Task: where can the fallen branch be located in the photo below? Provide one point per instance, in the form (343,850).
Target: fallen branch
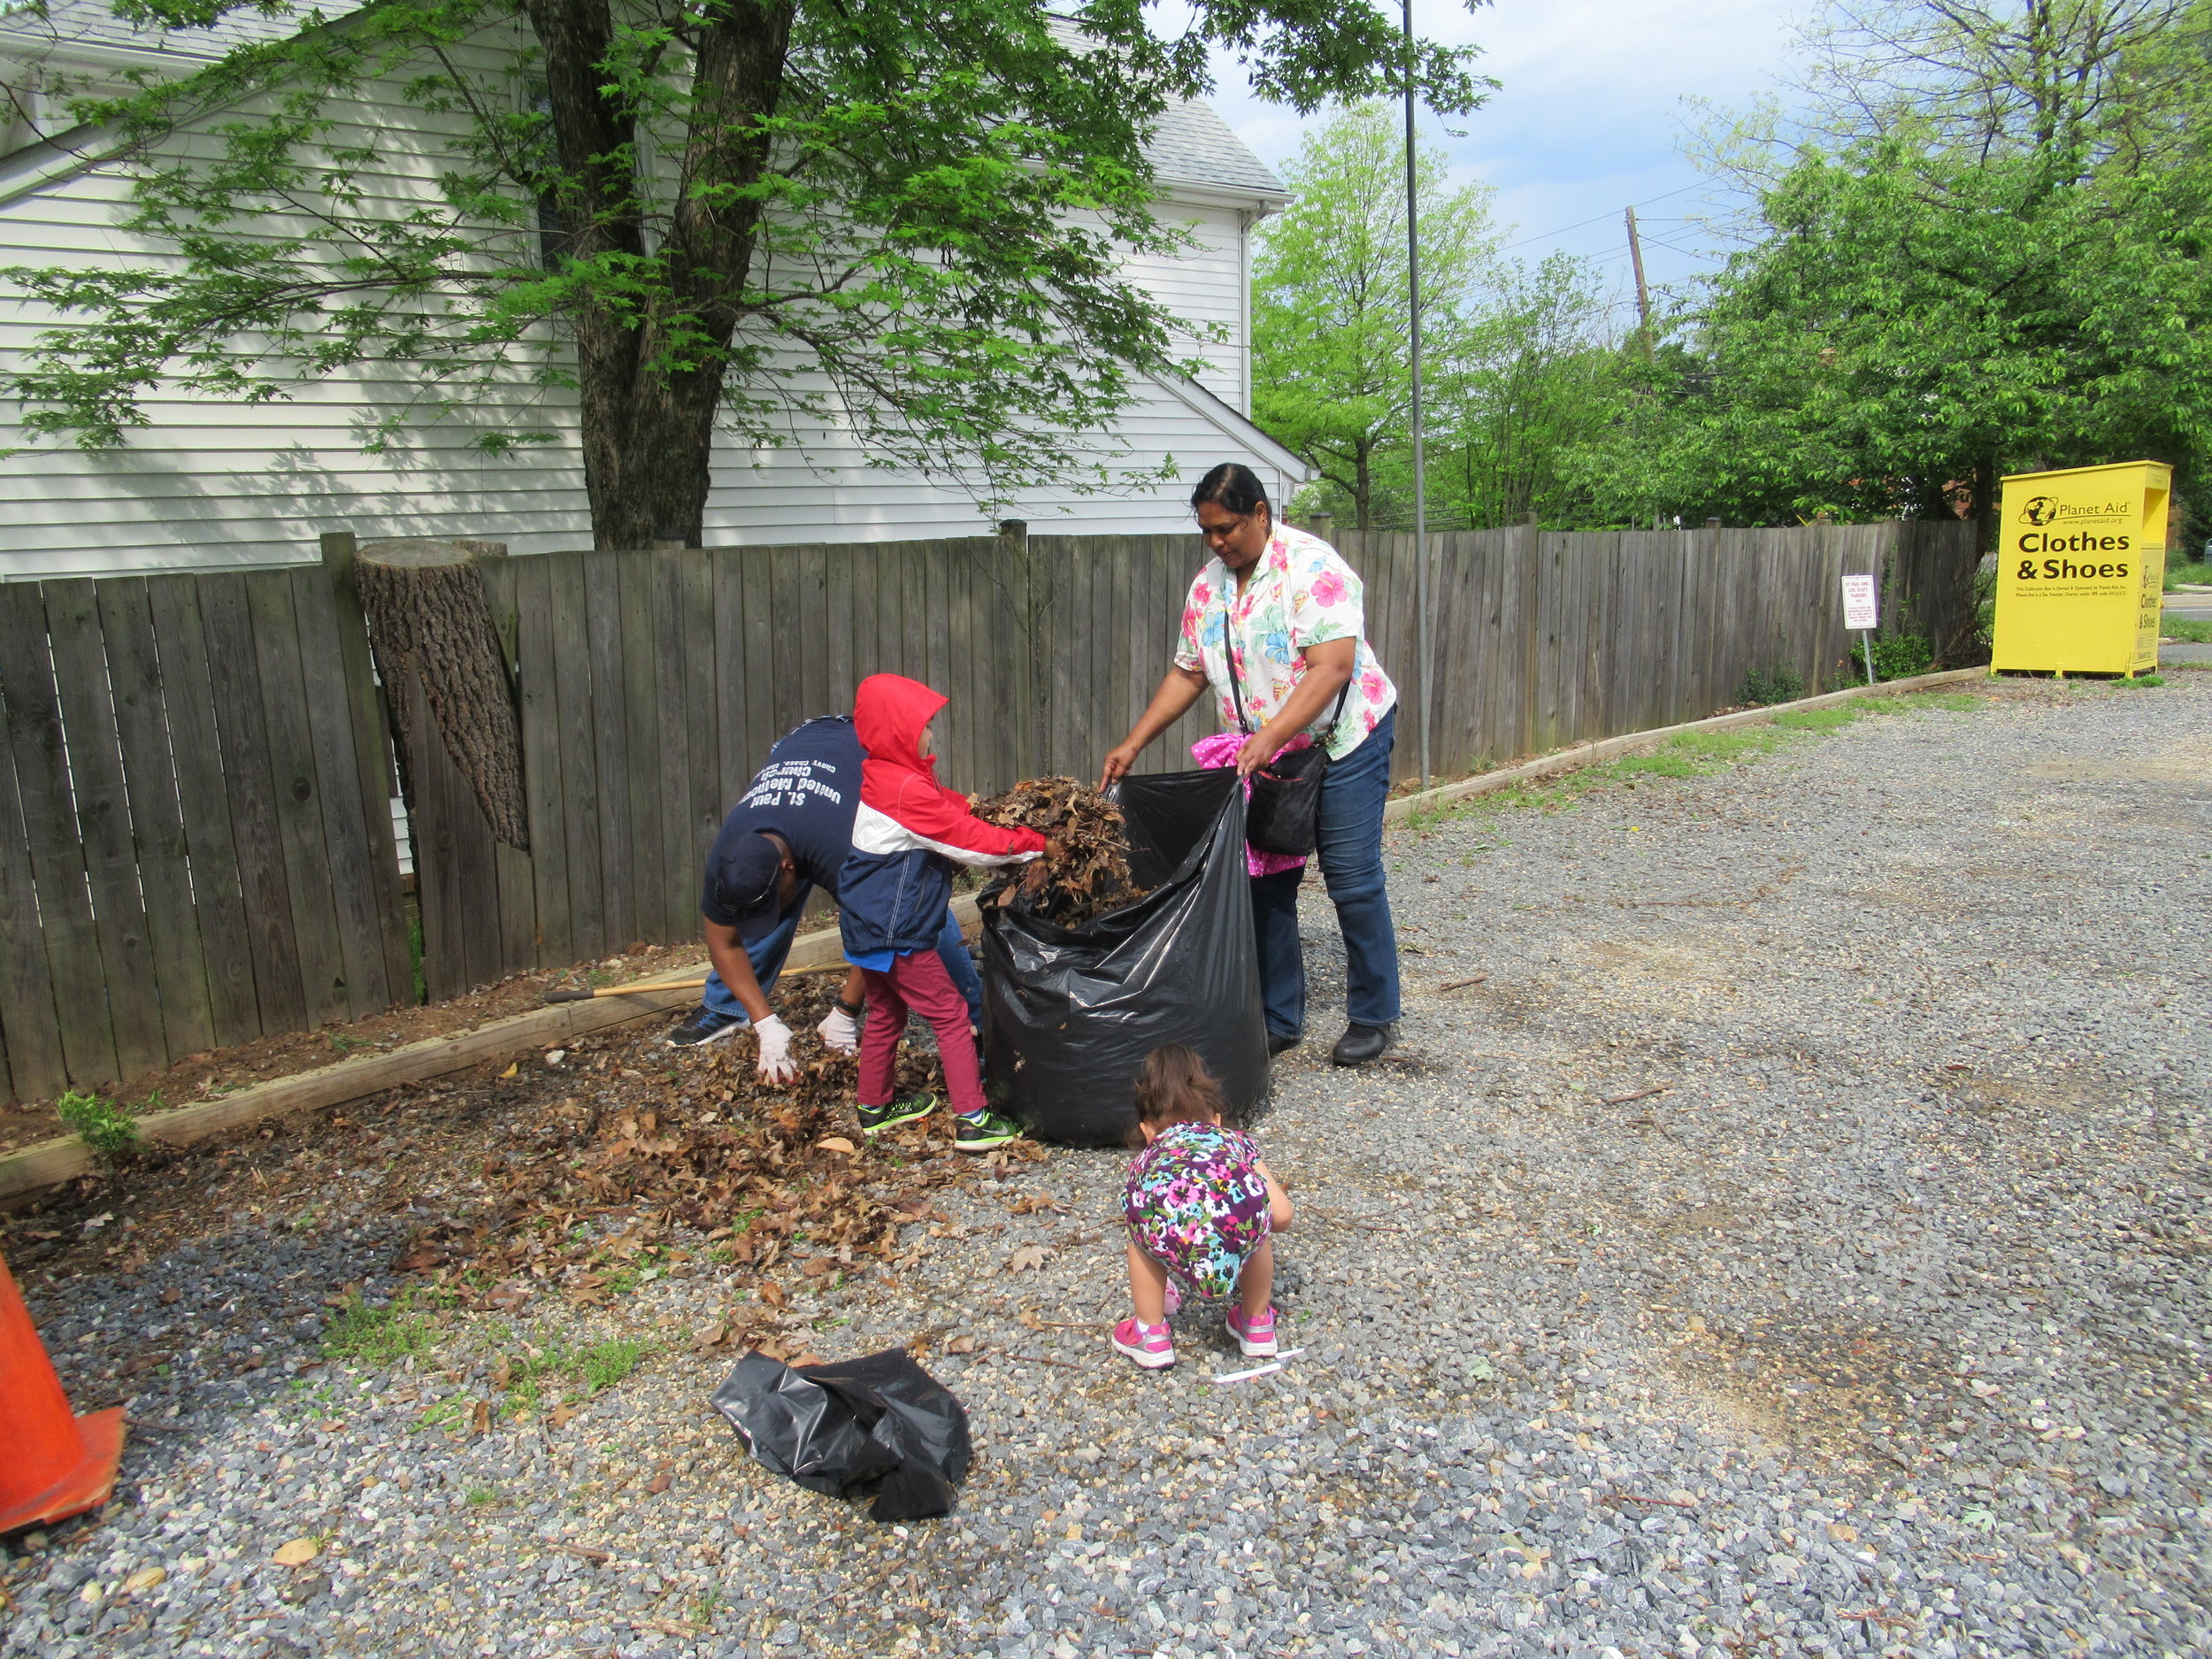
(1641,1094)
(1039,1359)
(1454,985)
(1635,1497)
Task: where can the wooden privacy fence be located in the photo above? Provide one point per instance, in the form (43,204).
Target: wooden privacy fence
(195,844)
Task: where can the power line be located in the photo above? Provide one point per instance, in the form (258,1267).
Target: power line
(1563,229)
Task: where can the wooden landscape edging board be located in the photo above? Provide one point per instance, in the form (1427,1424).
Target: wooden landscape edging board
(1592,754)
(26,1173)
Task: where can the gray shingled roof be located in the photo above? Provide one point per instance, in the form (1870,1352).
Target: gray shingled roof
(1194,146)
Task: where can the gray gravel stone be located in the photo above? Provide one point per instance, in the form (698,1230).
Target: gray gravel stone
(1795,1244)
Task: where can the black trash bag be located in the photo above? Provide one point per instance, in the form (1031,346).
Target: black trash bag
(1069,1014)
(836,1428)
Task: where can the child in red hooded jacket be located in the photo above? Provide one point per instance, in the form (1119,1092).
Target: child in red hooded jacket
(891,894)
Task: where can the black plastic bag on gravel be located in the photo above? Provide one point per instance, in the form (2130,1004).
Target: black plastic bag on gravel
(837,1428)
(1069,1014)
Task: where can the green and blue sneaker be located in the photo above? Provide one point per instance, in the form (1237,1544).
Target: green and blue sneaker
(875,1120)
(987,1129)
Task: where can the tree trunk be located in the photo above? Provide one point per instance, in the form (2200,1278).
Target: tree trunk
(431,621)
(651,380)
(1984,504)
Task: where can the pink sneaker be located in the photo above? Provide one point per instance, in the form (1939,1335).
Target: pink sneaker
(1255,1338)
(1149,1346)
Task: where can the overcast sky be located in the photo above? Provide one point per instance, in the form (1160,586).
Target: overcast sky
(1591,116)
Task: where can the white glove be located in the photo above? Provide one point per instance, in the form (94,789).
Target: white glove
(840,1031)
(775,1050)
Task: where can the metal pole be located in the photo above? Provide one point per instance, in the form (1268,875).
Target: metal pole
(1420,478)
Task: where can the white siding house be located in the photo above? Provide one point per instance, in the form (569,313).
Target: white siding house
(210,483)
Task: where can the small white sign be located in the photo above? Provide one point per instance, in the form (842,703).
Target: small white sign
(1858,603)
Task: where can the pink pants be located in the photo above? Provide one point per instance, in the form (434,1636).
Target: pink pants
(917,983)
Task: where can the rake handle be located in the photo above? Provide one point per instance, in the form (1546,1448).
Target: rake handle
(669,985)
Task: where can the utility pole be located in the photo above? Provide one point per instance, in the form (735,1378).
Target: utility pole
(1643,296)
(1420,479)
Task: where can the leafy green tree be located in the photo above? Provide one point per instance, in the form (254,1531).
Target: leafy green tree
(1988,256)
(906,221)
(1332,376)
(1531,384)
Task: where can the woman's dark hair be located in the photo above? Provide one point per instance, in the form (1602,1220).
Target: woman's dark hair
(1232,486)
(1176,1087)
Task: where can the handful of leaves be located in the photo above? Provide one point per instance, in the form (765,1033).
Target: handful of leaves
(1089,874)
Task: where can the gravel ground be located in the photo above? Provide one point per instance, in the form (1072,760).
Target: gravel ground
(1794,1244)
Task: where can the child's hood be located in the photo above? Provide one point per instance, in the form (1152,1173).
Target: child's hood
(890,713)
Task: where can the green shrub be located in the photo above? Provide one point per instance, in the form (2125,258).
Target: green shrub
(1896,657)
(2198,574)
(103,1125)
(1779,683)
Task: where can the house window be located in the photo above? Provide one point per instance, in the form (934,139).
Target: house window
(556,237)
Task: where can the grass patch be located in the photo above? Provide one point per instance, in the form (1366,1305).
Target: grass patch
(1745,743)
(1957,701)
(1818,719)
(483,1497)
(604,1364)
(2195,630)
(2139,682)
(377,1336)
(2198,574)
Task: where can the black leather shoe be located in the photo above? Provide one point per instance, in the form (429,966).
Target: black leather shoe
(1359,1044)
(1277,1042)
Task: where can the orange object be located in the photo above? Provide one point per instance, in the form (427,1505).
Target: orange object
(57,1464)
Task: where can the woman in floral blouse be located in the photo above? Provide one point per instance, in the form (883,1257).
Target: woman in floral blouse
(1281,611)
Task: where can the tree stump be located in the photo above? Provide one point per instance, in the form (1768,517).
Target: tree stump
(431,620)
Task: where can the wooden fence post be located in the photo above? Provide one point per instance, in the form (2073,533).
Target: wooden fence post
(1031,592)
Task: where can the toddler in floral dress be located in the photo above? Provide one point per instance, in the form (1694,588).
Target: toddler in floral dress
(1202,1210)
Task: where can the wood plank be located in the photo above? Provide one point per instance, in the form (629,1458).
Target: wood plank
(762,593)
(539,710)
(641,716)
(456,873)
(571,692)
(162,861)
(30,1024)
(75,961)
(732,675)
(702,734)
(513,877)
(813,636)
(608,728)
(298,795)
(100,800)
(227,939)
(376,778)
(354,829)
(681,700)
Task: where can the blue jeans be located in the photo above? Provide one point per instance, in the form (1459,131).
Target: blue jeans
(1349,843)
(766,955)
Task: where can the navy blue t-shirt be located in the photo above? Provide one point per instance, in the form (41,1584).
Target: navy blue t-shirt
(807,793)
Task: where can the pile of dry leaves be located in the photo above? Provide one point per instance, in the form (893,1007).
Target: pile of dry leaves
(702,1161)
(1090,874)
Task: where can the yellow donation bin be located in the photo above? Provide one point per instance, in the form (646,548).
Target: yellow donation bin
(2081,563)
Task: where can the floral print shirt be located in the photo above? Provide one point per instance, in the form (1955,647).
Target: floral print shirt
(1301,592)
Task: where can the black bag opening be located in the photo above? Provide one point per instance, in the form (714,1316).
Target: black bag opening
(1070,1014)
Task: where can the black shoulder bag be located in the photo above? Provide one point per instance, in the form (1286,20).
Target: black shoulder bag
(1284,811)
